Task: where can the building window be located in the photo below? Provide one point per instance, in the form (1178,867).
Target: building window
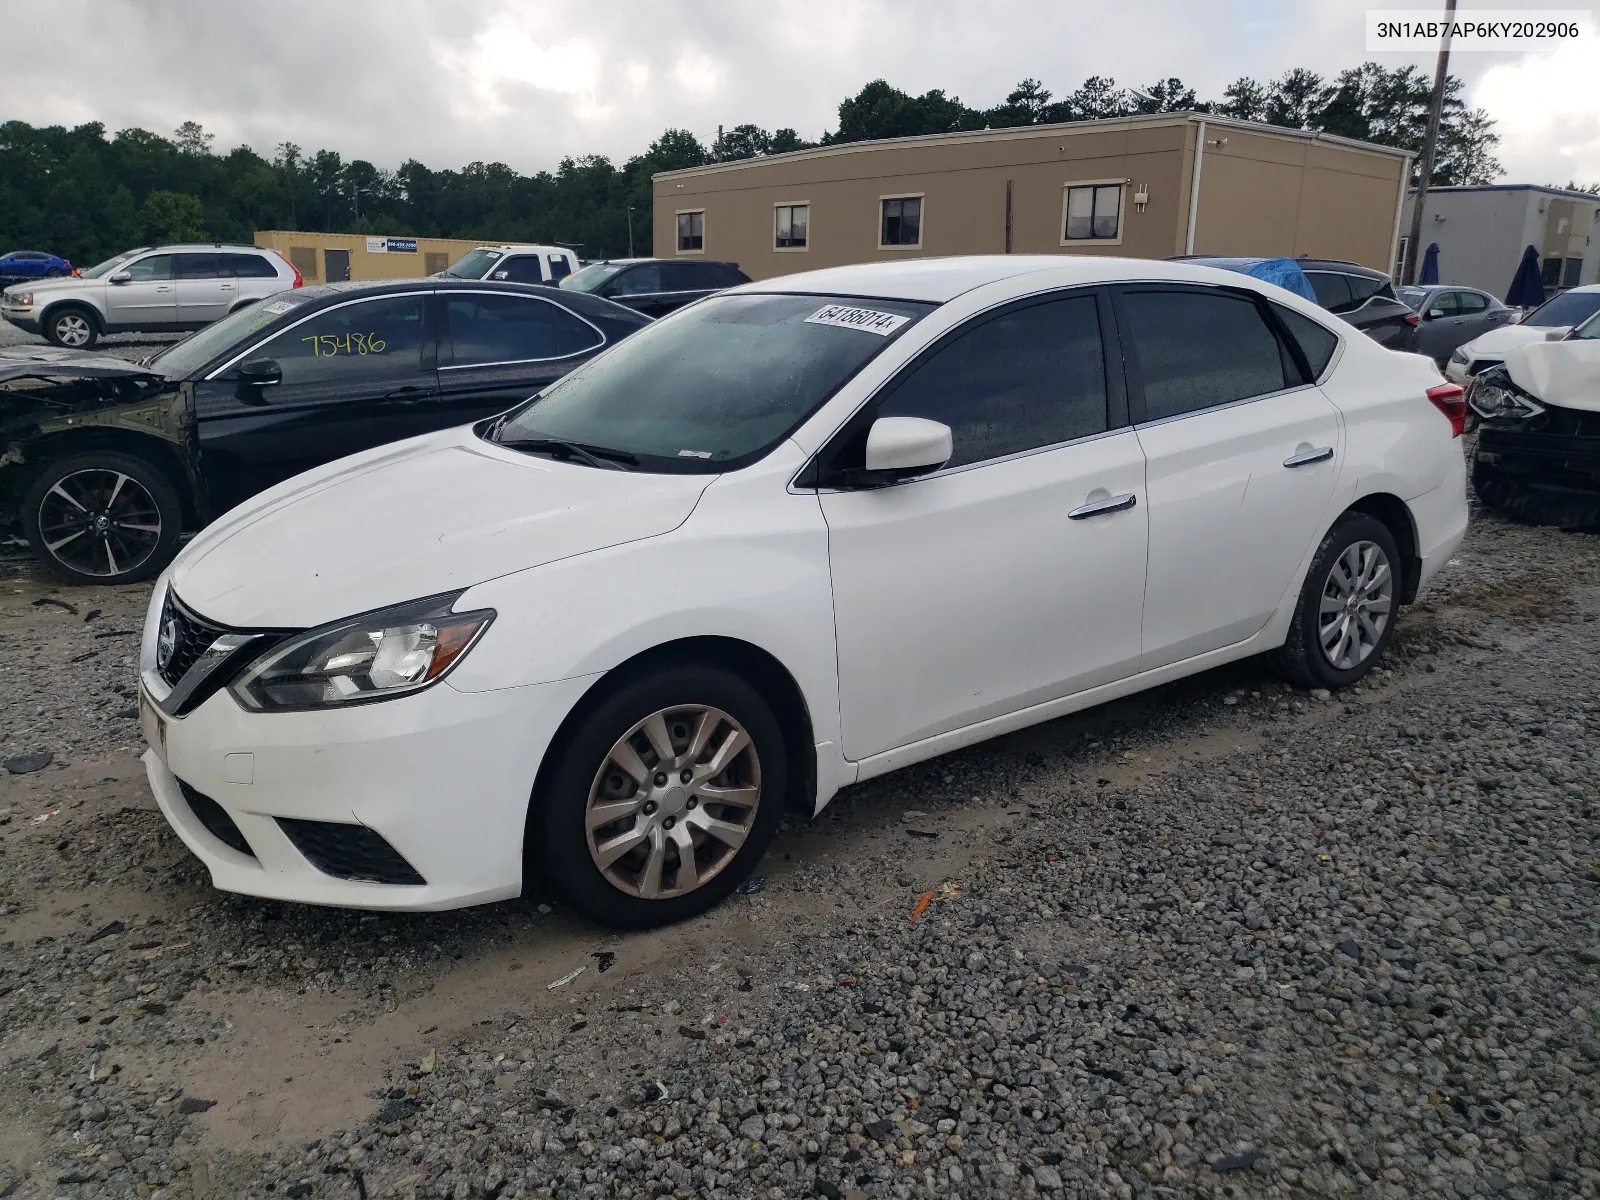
(900,221)
(1574,270)
(1550,276)
(791,225)
(692,231)
(1092,212)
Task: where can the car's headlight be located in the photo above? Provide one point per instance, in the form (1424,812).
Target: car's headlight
(20,299)
(1491,398)
(1460,356)
(374,656)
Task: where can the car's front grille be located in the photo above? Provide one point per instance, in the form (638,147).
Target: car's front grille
(182,638)
(349,852)
(216,819)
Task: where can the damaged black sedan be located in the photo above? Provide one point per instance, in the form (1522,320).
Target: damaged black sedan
(1538,417)
(105,463)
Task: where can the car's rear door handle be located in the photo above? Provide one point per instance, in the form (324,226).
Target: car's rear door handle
(1306,457)
(1096,508)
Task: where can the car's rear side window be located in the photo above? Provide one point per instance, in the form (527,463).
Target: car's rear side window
(250,266)
(1028,378)
(488,329)
(1317,342)
(1197,349)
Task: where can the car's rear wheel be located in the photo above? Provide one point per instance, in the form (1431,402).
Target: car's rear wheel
(662,800)
(72,327)
(54,273)
(1347,607)
(102,517)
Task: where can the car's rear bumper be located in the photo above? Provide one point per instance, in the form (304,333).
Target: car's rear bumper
(1441,520)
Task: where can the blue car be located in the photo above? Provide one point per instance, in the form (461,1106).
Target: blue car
(32,264)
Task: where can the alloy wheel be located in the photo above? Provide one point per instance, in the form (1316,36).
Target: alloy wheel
(100,522)
(1357,599)
(673,802)
(72,329)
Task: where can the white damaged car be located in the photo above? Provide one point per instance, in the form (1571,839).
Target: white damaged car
(798,534)
(1550,322)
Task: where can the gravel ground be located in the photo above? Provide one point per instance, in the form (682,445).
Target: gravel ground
(1225,939)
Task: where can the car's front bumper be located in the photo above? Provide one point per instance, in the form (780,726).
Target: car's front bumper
(443,776)
(23,318)
(1546,469)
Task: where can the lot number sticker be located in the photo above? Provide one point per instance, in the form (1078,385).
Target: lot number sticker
(865,319)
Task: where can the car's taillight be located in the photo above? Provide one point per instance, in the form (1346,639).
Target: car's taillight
(1451,400)
(1413,319)
(298,281)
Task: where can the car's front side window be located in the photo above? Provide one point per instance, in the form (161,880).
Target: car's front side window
(371,338)
(1031,377)
(1198,349)
(640,281)
(155,266)
(717,384)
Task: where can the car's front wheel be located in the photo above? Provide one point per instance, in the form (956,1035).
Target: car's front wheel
(1347,608)
(72,327)
(102,517)
(662,799)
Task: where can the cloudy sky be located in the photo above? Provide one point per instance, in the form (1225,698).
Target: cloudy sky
(529,81)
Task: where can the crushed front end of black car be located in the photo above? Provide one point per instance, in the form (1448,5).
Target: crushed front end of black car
(1536,461)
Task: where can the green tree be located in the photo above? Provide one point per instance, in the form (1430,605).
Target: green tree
(1099,97)
(1245,99)
(173,217)
(1294,99)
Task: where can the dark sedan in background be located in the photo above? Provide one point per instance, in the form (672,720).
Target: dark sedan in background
(1452,316)
(106,461)
(655,286)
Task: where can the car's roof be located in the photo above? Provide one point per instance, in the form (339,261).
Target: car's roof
(628,262)
(523,247)
(942,279)
(424,283)
(1339,264)
(197,246)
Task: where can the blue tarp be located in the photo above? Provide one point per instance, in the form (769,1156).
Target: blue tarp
(1284,272)
(1430,266)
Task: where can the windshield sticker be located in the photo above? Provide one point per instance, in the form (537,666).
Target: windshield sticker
(694,454)
(277,307)
(866,319)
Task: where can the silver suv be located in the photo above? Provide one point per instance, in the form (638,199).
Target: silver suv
(154,289)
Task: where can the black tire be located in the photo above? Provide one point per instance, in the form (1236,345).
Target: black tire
(54,273)
(115,552)
(72,326)
(558,844)
(1303,659)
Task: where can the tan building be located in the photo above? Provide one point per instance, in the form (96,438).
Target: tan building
(330,257)
(1142,187)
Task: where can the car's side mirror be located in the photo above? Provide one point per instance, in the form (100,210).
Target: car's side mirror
(122,277)
(501,275)
(900,447)
(1433,314)
(259,372)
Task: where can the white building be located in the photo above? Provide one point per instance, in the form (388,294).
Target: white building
(1482,232)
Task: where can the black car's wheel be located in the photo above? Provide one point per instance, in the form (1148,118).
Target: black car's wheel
(72,326)
(662,800)
(1347,608)
(54,273)
(102,517)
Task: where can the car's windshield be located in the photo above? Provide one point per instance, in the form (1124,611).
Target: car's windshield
(717,384)
(474,264)
(591,276)
(1589,331)
(1569,308)
(110,264)
(1414,297)
(182,359)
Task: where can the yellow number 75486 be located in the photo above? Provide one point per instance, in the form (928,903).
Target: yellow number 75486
(326,345)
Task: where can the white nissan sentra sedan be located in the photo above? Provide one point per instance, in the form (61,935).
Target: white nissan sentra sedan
(796,535)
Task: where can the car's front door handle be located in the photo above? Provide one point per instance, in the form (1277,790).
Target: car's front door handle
(408,395)
(230,287)
(1306,457)
(1096,508)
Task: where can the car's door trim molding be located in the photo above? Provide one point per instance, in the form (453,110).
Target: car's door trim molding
(510,362)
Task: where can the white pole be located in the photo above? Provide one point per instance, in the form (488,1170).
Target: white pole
(1194,184)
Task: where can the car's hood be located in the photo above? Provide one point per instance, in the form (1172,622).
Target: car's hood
(53,362)
(1508,337)
(414,519)
(65,283)
(1566,374)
